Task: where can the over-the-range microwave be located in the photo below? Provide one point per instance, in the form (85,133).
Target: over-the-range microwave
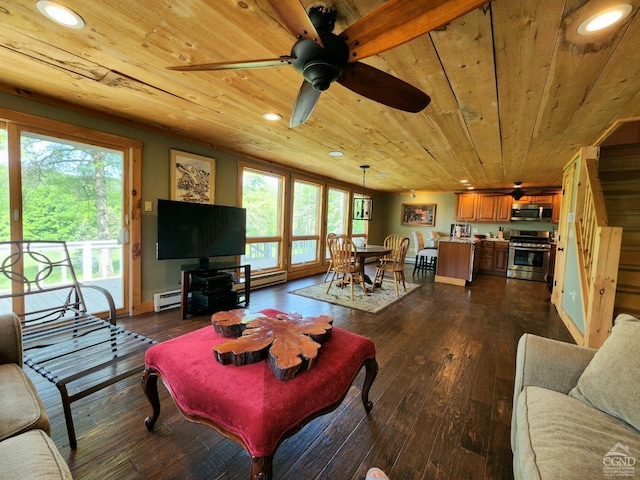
(530,212)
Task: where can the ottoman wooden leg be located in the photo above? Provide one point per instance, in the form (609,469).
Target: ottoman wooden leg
(150,388)
(262,468)
(371,367)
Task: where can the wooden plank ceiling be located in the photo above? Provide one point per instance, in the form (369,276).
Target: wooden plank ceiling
(515,90)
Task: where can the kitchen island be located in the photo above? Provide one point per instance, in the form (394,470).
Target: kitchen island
(456,261)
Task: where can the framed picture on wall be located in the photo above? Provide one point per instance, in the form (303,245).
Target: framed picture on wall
(192,177)
(422,215)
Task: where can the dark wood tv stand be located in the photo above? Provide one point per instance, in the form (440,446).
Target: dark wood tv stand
(188,271)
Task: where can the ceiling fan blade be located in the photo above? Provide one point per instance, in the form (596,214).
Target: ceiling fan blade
(263,63)
(305,103)
(399,21)
(295,18)
(377,85)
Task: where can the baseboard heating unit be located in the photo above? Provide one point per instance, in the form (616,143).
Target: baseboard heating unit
(268,279)
(166,300)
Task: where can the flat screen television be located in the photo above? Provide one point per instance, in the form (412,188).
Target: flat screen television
(196,230)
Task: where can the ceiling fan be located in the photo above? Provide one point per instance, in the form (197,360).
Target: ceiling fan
(324,57)
(518,192)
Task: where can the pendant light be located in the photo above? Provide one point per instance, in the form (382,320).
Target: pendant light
(363,206)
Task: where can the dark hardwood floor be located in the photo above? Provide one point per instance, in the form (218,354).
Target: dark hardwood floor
(442,398)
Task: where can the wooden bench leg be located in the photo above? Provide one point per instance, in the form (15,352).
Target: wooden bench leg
(262,468)
(150,389)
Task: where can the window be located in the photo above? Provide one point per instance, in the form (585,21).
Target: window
(263,197)
(305,223)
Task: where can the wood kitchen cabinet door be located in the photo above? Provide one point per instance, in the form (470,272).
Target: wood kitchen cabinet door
(487,208)
(466,208)
(503,213)
(501,257)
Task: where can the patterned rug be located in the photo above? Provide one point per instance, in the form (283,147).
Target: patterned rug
(374,302)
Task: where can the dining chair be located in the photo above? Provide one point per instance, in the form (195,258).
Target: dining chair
(330,266)
(396,267)
(426,257)
(343,262)
(393,242)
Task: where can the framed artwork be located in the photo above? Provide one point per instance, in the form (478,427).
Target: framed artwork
(192,177)
(423,215)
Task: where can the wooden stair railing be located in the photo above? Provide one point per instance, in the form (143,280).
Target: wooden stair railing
(598,248)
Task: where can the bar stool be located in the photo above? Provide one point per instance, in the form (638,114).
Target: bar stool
(426,257)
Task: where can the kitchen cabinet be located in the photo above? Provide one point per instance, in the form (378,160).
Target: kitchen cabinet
(494,256)
(479,207)
(466,205)
(485,252)
(555,212)
(503,213)
(501,258)
(552,262)
(536,199)
(457,261)
(487,208)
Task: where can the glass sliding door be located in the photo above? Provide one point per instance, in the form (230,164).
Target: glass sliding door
(5,225)
(305,223)
(74,192)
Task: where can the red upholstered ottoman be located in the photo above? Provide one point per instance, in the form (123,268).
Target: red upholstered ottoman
(247,403)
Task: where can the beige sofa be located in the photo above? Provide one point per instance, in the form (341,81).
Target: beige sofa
(576,411)
(26,451)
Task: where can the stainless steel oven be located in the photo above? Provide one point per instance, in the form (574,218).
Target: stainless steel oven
(529,253)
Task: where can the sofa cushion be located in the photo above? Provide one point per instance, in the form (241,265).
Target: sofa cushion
(611,382)
(560,437)
(20,405)
(32,456)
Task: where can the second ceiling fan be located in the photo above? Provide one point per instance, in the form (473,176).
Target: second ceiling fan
(324,57)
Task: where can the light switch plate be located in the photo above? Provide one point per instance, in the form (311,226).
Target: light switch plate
(148,206)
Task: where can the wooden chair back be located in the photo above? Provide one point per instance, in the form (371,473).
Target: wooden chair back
(343,254)
(400,254)
(393,242)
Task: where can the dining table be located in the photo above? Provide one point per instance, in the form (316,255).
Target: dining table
(368,251)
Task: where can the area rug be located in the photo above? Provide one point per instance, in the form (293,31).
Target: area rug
(374,302)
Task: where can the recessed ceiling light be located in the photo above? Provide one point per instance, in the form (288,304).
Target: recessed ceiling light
(272,117)
(604,19)
(470,188)
(383,175)
(336,153)
(464,181)
(60,14)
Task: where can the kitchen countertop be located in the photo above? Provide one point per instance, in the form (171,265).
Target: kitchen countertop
(458,240)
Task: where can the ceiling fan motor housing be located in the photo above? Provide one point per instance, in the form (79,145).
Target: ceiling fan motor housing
(321,66)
